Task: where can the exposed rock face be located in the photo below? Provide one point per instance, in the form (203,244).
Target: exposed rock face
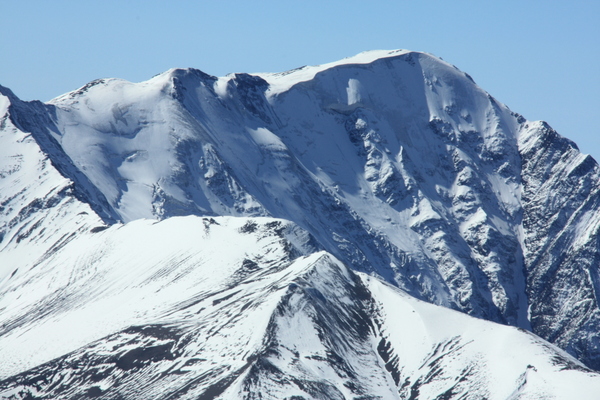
(561,200)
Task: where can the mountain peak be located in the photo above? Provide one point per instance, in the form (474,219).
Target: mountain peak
(282,81)
(6,92)
(183,74)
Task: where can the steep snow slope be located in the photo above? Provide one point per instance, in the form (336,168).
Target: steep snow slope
(171,310)
(39,212)
(103,282)
(395,162)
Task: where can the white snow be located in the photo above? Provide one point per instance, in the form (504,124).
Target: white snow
(353,91)
(127,275)
(283,81)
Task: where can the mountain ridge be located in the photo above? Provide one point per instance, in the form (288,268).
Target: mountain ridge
(401,167)
(328,332)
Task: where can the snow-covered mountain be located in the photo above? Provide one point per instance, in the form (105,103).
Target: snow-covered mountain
(194,317)
(277,234)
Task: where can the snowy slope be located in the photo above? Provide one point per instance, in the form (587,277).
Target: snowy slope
(170,310)
(126,275)
(39,212)
(394,163)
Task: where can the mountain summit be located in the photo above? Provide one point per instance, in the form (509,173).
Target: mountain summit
(281,234)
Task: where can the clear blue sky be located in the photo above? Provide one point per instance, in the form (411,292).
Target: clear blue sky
(541,58)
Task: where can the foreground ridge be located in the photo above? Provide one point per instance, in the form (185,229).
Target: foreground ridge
(265,321)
